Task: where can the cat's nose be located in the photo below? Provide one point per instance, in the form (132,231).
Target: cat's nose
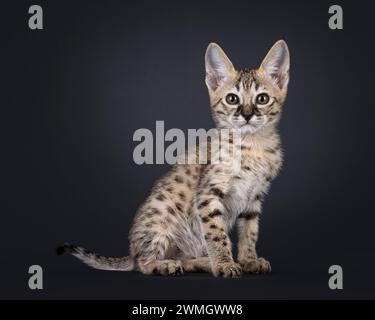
(247,113)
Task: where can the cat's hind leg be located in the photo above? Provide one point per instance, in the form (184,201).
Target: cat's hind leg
(201,264)
(170,267)
(157,254)
(167,267)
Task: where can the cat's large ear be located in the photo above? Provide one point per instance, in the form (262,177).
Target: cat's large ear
(275,65)
(218,67)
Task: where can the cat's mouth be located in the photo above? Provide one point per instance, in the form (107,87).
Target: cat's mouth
(252,124)
(249,125)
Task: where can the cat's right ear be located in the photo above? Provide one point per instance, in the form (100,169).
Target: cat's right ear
(218,67)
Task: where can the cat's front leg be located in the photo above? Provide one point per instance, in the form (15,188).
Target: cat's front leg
(219,249)
(248,226)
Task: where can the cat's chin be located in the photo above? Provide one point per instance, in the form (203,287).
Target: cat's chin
(248,129)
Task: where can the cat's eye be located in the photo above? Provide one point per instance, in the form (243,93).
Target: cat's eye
(232,99)
(262,98)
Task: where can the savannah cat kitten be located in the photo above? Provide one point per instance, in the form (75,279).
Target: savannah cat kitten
(183,225)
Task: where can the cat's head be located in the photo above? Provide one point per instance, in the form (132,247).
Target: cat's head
(247,99)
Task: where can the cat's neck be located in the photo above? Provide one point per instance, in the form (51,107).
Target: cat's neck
(261,137)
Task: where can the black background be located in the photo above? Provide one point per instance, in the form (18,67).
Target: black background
(74,93)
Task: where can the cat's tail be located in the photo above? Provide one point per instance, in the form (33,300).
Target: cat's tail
(96,261)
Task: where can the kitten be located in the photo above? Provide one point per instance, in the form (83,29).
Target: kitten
(183,225)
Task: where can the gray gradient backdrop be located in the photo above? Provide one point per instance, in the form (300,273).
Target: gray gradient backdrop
(74,93)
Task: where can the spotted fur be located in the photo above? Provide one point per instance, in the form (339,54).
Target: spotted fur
(184,223)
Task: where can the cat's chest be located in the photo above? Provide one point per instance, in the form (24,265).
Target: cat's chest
(261,162)
(256,172)
(259,165)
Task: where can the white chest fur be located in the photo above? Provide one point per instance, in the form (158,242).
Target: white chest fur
(261,158)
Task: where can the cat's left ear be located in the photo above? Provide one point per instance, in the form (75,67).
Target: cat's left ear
(275,65)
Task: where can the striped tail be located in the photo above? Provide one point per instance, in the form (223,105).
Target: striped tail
(95,261)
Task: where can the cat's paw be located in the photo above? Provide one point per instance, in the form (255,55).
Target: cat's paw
(259,265)
(170,268)
(227,270)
